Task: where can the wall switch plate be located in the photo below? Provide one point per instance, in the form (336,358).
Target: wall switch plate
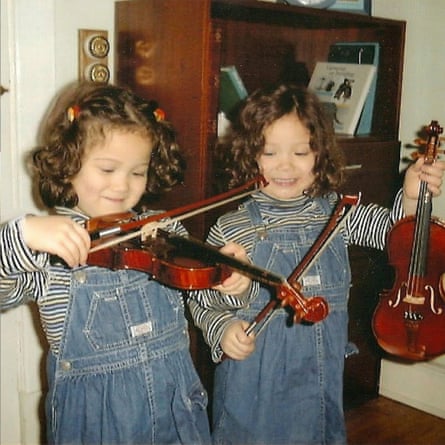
(94,47)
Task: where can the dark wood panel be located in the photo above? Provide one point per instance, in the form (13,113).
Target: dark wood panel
(370,274)
(372,169)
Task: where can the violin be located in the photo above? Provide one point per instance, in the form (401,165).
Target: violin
(409,321)
(167,263)
(188,264)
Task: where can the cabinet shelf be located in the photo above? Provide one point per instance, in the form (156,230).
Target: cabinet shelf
(171,50)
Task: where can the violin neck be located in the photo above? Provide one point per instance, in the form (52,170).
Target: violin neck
(421,237)
(421,232)
(211,255)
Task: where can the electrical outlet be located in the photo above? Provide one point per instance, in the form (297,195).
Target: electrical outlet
(94,47)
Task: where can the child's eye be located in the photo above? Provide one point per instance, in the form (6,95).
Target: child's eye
(107,170)
(142,174)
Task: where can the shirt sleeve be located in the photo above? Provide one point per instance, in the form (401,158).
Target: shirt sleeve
(23,275)
(369,224)
(212,311)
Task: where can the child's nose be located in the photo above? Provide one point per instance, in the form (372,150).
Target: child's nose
(121,182)
(285,160)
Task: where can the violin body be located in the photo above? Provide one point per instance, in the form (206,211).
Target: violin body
(163,262)
(410,324)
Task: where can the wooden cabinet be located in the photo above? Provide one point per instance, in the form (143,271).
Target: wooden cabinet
(171,51)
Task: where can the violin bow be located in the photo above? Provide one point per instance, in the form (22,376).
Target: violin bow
(151,224)
(342,210)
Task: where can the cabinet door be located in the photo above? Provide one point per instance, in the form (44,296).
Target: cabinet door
(372,170)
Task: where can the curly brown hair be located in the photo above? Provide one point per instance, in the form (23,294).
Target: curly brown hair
(99,109)
(239,154)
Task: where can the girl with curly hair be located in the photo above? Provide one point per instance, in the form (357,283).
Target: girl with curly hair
(119,368)
(284,385)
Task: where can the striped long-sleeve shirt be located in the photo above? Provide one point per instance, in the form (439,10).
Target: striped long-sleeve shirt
(366,226)
(27,275)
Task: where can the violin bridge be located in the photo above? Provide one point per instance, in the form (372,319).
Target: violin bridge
(411,299)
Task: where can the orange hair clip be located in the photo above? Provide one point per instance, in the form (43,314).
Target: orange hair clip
(159,114)
(73,112)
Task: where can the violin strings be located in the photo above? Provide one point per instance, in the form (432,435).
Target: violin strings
(420,240)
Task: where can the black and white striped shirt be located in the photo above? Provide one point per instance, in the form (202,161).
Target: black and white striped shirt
(366,226)
(26,275)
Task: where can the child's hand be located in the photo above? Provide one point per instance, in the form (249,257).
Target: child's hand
(237,284)
(235,343)
(432,174)
(57,235)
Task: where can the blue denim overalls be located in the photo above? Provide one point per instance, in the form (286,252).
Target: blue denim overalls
(289,391)
(124,374)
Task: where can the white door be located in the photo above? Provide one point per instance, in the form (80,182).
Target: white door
(21,373)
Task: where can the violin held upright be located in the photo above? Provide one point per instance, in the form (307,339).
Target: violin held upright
(409,321)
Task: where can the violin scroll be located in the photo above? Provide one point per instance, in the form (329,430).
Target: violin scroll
(312,309)
(428,146)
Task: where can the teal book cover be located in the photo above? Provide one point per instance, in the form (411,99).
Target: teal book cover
(231,89)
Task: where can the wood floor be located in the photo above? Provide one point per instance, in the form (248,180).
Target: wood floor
(382,421)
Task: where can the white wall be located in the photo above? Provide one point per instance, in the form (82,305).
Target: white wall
(423,93)
(423,97)
(39,56)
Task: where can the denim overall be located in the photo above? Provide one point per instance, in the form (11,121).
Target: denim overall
(124,374)
(289,391)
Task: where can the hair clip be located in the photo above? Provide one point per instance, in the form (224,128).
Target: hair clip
(73,112)
(159,114)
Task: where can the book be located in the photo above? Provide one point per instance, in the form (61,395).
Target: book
(361,53)
(343,88)
(231,89)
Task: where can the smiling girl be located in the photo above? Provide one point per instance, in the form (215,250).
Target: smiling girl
(285,386)
(119,369)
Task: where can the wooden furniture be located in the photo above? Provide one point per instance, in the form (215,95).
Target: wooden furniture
(171,51)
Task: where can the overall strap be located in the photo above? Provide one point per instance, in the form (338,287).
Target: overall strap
(253,209)
(325,204)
